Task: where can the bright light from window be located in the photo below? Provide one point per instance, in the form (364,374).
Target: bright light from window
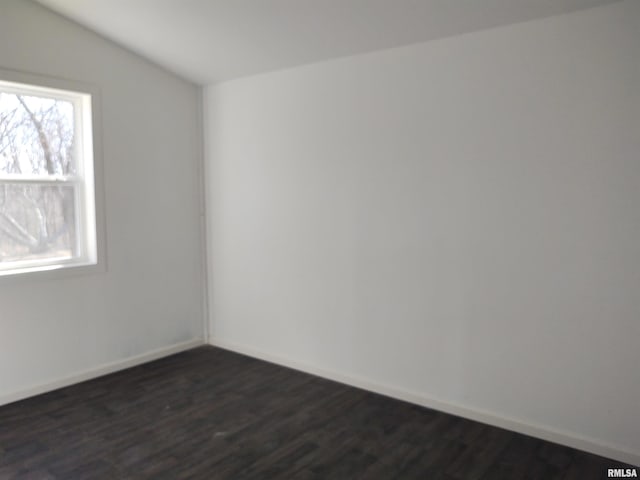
(47,209)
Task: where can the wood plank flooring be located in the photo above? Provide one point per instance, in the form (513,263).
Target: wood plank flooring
(212,414)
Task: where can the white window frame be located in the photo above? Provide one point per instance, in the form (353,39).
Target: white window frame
(87,182)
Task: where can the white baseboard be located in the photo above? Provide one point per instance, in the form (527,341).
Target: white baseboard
(490,418)
(104,369)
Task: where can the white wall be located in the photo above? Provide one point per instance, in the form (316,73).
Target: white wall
(455,222)
(150,297)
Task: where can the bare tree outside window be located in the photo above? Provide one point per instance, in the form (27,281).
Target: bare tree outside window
(37,157)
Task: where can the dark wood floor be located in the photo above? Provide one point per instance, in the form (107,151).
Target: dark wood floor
(212,414)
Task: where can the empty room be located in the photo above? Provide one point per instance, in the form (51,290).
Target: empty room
(319,239)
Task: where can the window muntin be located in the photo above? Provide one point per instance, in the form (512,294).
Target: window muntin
(47,206)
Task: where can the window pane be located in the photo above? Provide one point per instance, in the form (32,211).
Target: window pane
(37,221)
(36,135)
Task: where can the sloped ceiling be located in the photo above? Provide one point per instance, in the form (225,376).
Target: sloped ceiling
(208,41)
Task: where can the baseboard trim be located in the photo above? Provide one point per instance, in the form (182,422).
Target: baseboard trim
(104,369)
(538,431)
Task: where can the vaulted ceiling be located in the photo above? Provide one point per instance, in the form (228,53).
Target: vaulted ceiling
(209,41)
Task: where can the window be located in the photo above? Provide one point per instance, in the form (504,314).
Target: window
(47,199)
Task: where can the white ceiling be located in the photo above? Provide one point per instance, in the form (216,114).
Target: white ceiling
(208,41)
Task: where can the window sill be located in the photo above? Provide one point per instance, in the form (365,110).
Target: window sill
(51,272)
